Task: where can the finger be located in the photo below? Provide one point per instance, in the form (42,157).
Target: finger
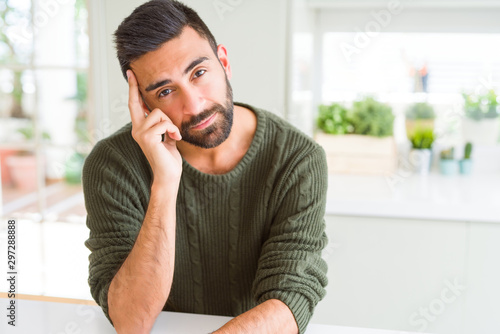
(134,103)
(166,127)
(157,116)
(154,117)
(145,106)
(173,132)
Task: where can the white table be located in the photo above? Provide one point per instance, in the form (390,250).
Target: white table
(44,317)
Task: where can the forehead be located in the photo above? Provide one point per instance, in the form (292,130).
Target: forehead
(172,57)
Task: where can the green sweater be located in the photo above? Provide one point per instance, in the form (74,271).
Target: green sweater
(252,234)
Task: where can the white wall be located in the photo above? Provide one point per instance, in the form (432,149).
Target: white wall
(254,33)
(302,66)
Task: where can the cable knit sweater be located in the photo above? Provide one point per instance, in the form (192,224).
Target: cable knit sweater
(252,234)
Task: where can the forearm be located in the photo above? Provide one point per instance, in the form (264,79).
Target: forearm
(270,317)
(141,287)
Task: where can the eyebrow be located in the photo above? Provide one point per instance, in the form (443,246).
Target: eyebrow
(193,64)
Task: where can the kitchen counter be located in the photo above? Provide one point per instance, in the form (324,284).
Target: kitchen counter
(435,197)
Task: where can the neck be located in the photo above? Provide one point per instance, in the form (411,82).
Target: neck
(225,157)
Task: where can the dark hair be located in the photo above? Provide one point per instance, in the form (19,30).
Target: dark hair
(153,24)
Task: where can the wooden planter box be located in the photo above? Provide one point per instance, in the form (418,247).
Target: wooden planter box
(358,154)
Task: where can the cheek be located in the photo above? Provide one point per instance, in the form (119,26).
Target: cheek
(215,90)
(169,111)
(175,117)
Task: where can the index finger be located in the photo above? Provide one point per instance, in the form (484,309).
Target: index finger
(134,103)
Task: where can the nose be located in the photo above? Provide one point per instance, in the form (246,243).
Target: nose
(193,102)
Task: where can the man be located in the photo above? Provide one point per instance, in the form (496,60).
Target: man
(201,205)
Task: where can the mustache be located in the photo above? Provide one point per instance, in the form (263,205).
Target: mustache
(201,117)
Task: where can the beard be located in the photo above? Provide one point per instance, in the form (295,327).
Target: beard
(215,134)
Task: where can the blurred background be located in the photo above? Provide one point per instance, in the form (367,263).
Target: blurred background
(403,96)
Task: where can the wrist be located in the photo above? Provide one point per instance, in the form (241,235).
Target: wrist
(165,188)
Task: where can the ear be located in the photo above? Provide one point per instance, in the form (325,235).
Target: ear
(224,60)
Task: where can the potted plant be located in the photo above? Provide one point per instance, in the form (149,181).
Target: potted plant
(421,152)
(466,162)
(5,153)
(333,119)
(358,140)
(419,115)
(372,118)
(480,125)
(447,163)
(23,165)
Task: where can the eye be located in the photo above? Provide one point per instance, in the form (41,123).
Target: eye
(165,92)
(199,73)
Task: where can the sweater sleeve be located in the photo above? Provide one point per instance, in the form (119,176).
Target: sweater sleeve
(115,211)
(290,266)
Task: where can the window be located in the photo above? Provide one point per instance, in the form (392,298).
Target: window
(401,64)
(44,60)
(422,52)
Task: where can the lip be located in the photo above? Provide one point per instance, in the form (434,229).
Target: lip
(205,123)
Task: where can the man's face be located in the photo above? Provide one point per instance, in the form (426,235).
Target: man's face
(186,81)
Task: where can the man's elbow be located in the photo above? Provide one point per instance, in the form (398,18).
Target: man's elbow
(130,314)
(131,321)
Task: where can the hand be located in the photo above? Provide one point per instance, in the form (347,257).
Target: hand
(163,156)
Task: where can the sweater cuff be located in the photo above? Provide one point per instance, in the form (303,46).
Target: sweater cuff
(298,304)
(103,301)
